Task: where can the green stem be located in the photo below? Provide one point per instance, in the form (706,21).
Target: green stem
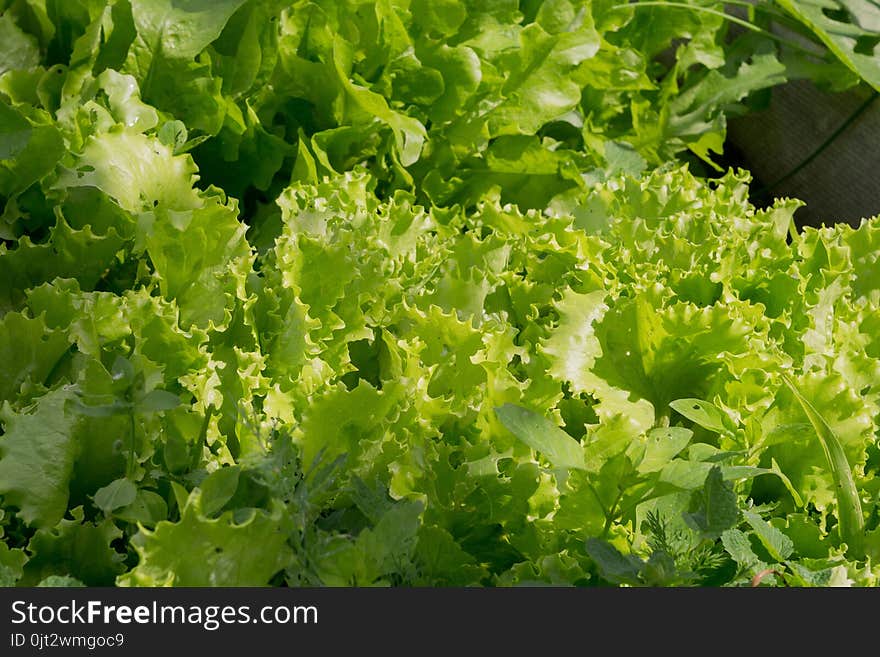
(130,467)
(715,12)
(767,9)
(598,499)
(610,515)
(650,494)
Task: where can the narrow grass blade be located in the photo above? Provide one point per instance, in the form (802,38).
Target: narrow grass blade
(849,507)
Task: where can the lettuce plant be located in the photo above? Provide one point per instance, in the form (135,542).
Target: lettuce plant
(410,293)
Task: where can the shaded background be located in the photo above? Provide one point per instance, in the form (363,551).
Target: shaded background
(819,147)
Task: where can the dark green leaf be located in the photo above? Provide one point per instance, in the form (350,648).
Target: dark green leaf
(614,566)
(218,488)
(714,508)
(778,545)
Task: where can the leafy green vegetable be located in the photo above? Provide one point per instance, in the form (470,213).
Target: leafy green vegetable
(542,436)
(236,549)
(714,509)
(848,27)
(116,494)
(852,522)
(335,292)
(37,452)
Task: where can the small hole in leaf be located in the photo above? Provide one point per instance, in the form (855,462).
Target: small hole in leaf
(155,202)
(696,407)
(218,550)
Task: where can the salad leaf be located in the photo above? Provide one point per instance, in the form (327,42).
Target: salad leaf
(334,292)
